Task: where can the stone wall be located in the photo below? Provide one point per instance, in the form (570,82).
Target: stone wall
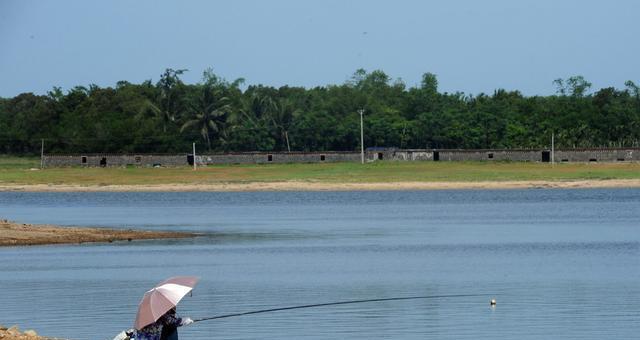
(526,155)
(516,155)
(413,155)
(491,155)
(107,160)
(598,155)
(278,157)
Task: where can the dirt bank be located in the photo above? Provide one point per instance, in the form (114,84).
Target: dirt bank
(20,234)
(327,186)
(13,333)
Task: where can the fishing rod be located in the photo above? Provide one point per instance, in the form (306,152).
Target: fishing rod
(348,302)
(123,335)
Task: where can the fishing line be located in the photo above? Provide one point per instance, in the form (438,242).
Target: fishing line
(336,304)
(333,304)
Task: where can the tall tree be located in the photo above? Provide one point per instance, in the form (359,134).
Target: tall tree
(168,103)
(210,113)
(282,117)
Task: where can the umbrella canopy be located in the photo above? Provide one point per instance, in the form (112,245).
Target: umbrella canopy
(159,300)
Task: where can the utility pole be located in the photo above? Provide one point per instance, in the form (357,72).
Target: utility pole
(553,148)
(361,111)
(194,156)
(42,155)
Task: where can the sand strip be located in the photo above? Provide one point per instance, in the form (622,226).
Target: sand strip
(324,186)
(19,234)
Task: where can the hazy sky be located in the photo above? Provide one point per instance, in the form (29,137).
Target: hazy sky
(473,46)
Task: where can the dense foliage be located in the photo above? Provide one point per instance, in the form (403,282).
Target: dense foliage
(220,116)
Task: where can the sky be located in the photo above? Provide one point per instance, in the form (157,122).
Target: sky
(472,46)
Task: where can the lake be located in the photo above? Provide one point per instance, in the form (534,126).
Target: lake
(560,263)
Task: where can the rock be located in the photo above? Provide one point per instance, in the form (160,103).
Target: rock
(13,330)
(31,332)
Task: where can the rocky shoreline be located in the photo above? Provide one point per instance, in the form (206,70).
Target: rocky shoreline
(13,333)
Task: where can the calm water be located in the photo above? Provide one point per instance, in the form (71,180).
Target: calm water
(561,263)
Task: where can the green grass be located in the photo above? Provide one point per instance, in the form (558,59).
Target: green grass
(19,171)
(8,162)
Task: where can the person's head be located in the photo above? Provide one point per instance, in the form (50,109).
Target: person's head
(172,311)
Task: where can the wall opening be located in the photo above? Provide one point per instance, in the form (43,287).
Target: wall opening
(83,159)
(490,155)
(269,158)
(103,162)
(380,156)
(436,156)
(138,159)
(621,159)
(546,156)
(564,160)
(592,160)
(322,158)
(190,160)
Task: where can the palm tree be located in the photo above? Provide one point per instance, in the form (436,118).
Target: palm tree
(254,112)
(258,108)
(166,105)
(210,113)
(282,118)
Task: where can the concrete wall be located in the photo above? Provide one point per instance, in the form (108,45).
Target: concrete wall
(278,157)
(490,155)
(412,155)
(463,155)
(96,160)
(521,155)
(518,155)
(598,155)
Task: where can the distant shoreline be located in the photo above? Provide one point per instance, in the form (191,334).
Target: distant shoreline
(324,186)
(22,234)
(20,175)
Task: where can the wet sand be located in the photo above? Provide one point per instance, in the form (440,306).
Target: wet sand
(21,234)
(324,186)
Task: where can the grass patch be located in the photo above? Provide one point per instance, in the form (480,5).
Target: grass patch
(14,170)
(10,162)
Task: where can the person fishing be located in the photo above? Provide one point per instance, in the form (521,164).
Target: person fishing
(156,318)
(165,328)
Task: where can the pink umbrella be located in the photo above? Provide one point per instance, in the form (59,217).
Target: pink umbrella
(159,300)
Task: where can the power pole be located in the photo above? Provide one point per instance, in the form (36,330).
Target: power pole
(194,156)
(42,155)
(553,148)
(361,111)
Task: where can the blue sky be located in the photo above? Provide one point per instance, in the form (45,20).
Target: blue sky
(473,46)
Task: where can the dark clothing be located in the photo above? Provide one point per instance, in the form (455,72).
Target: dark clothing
(154,330)
(169,333)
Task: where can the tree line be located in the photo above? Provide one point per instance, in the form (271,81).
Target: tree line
(224,116)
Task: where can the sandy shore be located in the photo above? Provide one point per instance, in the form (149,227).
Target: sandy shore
(326,186)
(19,234)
